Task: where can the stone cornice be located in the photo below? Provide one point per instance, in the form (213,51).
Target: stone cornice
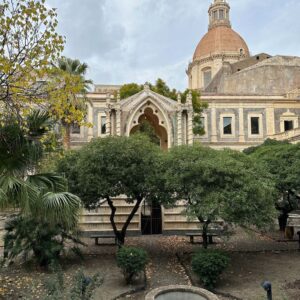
(211,57)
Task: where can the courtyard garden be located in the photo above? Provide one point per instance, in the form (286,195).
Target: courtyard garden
(45,187)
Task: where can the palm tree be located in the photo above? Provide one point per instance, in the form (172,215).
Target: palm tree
(43,197)
(74,68)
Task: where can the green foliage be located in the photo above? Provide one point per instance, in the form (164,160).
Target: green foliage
(146,129)
(282,160)
(29,46)
(130,89)
(25,235)
(132,261)
(113,166)
(221,184)
(40,196)
(208,265)
(82,287)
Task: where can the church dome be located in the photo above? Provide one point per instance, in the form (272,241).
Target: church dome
(221,39)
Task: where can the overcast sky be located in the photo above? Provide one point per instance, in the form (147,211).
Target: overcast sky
(140,40)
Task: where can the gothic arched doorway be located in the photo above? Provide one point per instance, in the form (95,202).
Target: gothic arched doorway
(149,124)
(151,218)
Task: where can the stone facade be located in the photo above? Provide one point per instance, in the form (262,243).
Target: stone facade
(250,99)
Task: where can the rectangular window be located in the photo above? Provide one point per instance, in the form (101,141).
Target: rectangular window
(75,129)
(227,125)
(288,125)
(103,125)
(254,125)
(206,77)
(216,15)
(221,14)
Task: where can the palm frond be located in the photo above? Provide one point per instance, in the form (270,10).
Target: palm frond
(39,123)
(48,181)
(16,192)
(61,208)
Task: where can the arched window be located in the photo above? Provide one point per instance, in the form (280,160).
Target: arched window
(221,14)
(206,76)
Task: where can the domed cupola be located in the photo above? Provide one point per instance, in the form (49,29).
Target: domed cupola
(220,44)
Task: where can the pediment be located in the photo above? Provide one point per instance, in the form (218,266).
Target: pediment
(129,104)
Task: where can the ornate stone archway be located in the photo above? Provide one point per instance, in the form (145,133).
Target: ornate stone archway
(172,121)
(151,117)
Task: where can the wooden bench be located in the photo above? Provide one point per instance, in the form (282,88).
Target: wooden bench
(103,236)
(210,236)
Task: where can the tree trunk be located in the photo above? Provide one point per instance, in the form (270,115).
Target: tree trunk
(120,235)
(67,137)
(204,236)
(119,239)
(130,217)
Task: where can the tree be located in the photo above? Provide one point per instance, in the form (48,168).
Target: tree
(162,88)
(29,44)
(130,89)
(224,185)
(44,196)
(282,160)
(146,128)
(113,166)
(76,103)
(29,49)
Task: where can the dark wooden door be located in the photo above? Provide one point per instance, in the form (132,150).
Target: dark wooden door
(151,219)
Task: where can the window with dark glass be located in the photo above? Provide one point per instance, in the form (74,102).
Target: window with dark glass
(227,125)
(75,129)
(216,15)
(103,125)
(254,125)
(288,125)
(221,14)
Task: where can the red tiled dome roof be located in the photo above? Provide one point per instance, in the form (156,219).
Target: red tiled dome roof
(220,39)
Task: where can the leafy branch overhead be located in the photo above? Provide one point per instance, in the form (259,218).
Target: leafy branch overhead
(30,48)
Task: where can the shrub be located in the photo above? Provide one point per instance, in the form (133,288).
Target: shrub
(25,236)
(208,265)
(82,287)
(132,261)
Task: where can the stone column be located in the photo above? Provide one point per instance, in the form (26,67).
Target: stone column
(179,120)
(179,128)
(118,116)
(241,126)
(118,127)
(190,128)
(108,123)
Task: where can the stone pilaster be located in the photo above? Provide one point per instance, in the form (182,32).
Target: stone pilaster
(241,125)
(108,116)
(270,117)
(214,138)
(90,119)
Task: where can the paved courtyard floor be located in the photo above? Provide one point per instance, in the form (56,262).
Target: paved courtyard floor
(254,258)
